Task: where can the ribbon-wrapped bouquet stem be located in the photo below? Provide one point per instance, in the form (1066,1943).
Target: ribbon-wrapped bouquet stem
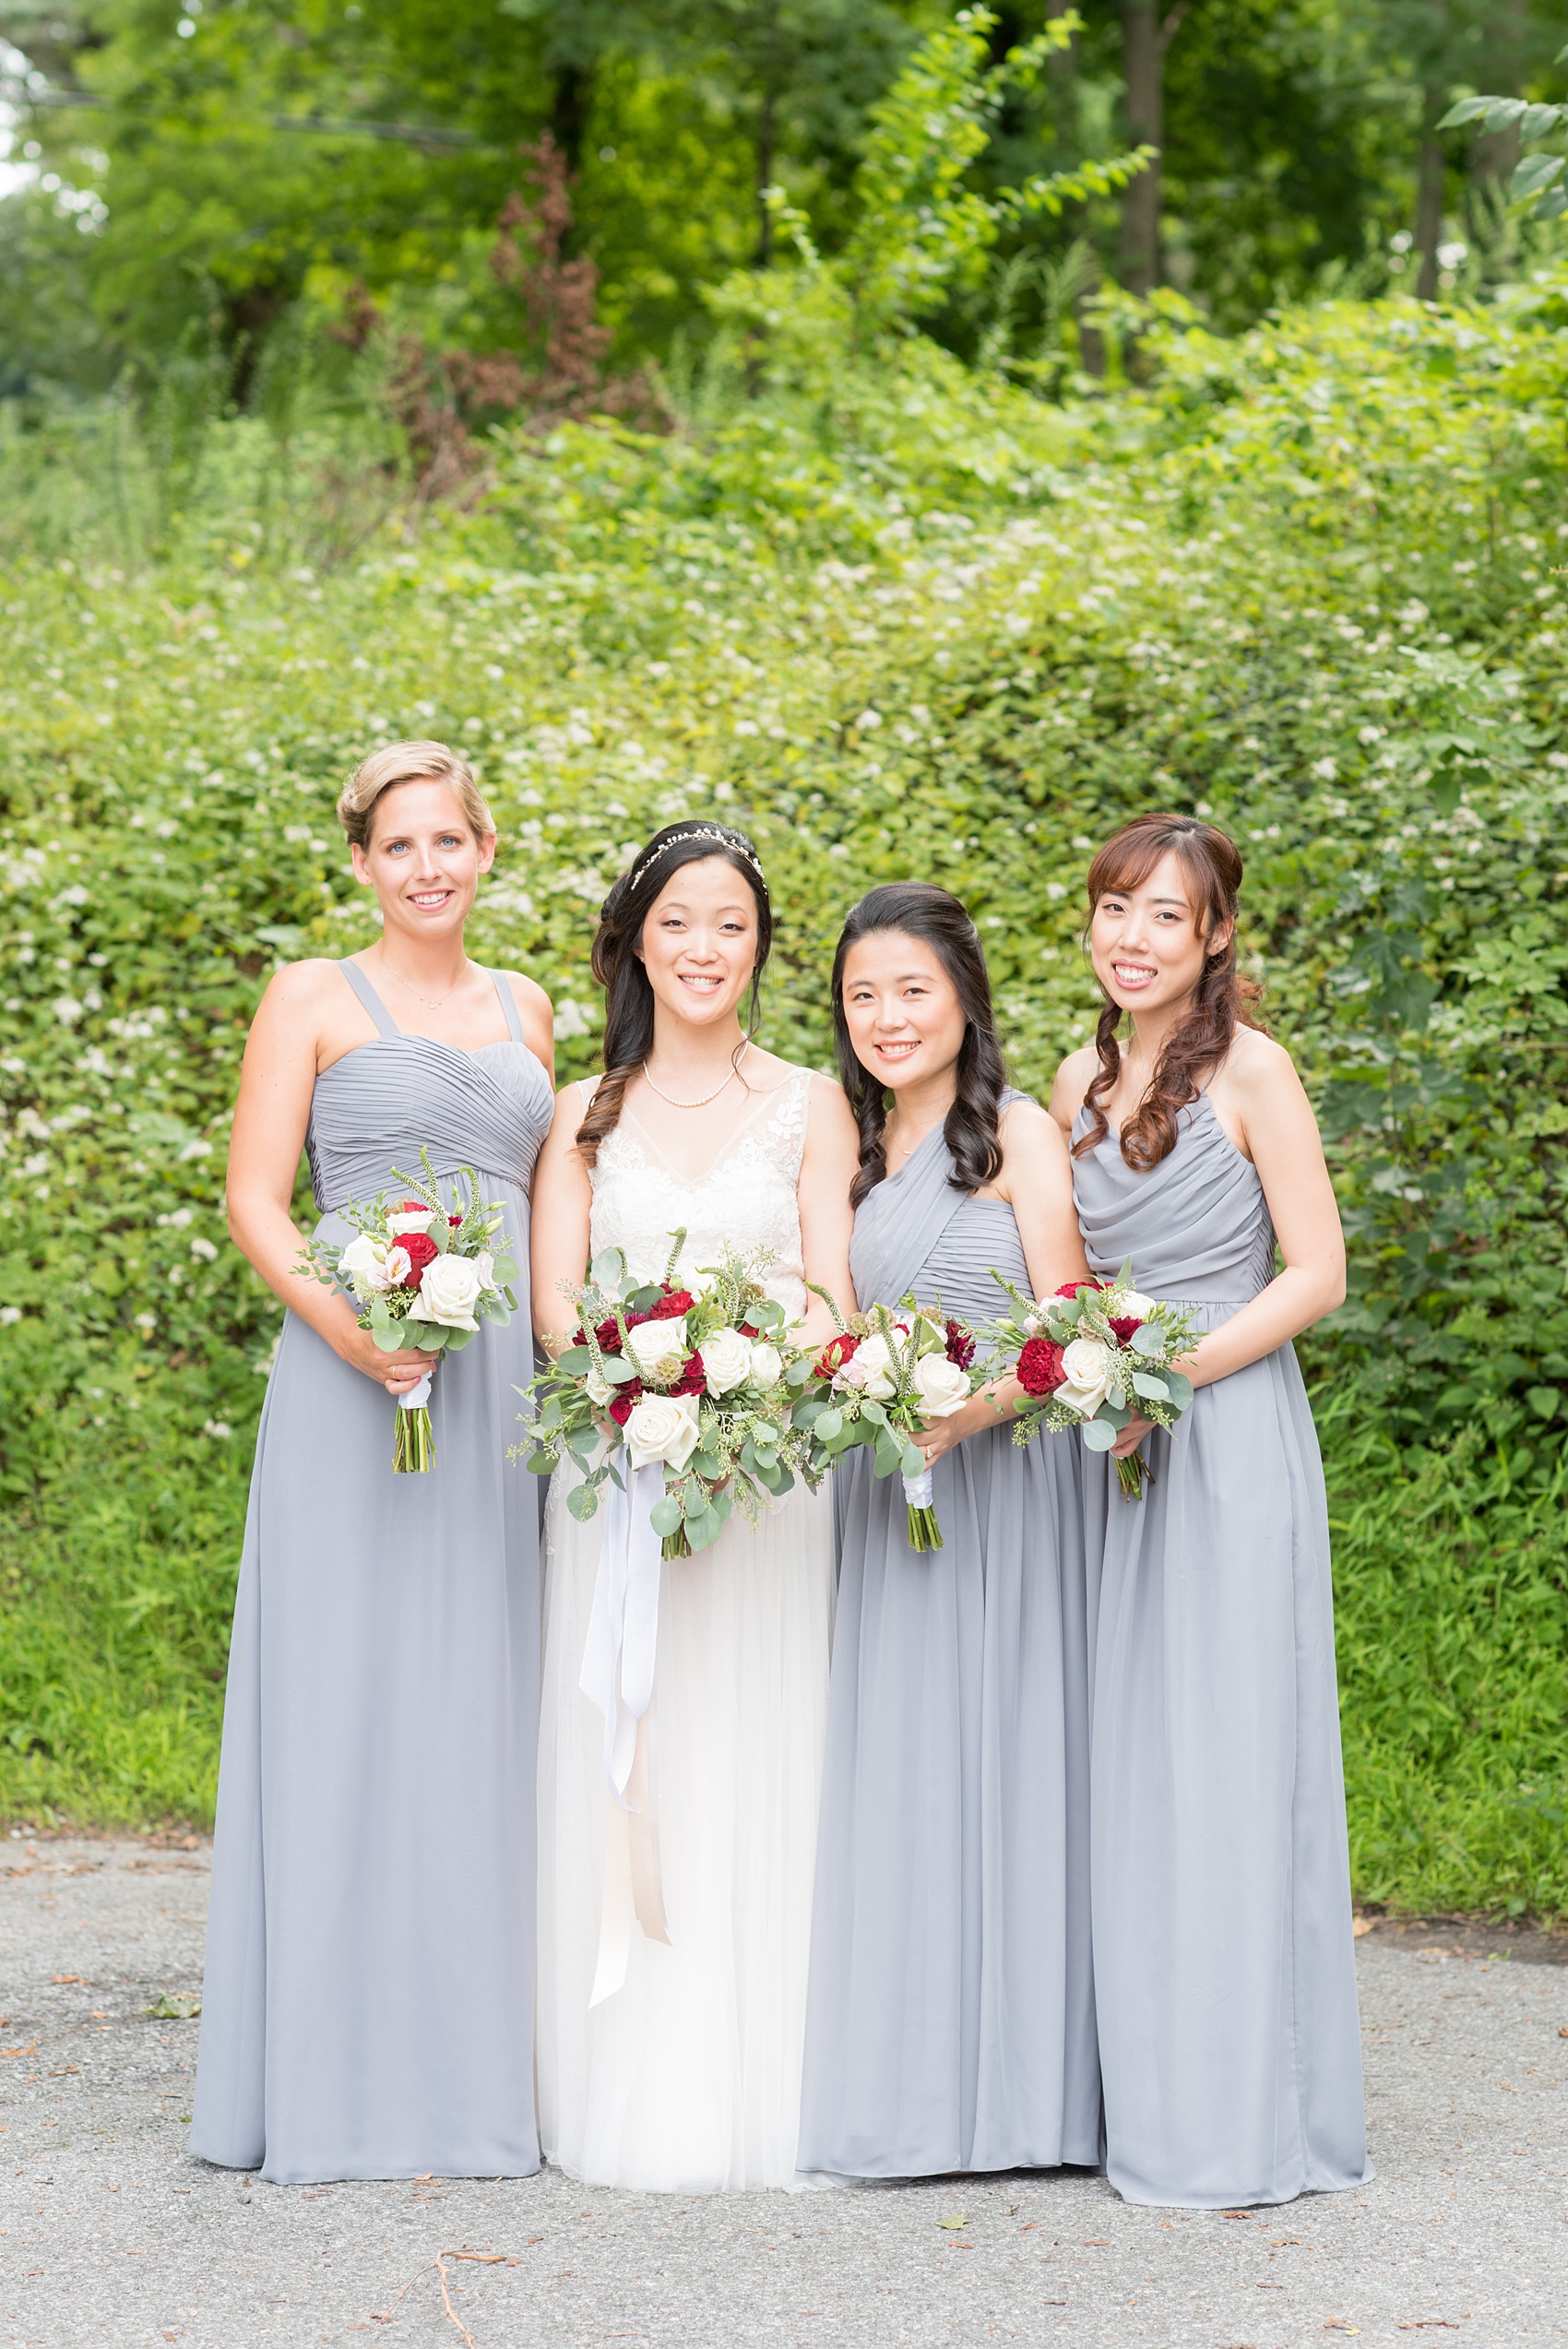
(1091,1358)
(882,1379)
(423,1277)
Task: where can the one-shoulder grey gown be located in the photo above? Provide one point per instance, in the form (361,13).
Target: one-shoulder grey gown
(368,2009)
(1224,1970)
(950,2015)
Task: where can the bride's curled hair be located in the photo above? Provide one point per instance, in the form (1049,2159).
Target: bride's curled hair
(1222,1000)
(617,961)
(972,1129)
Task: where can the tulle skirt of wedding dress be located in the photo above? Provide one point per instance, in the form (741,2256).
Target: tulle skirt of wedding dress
(688,2078)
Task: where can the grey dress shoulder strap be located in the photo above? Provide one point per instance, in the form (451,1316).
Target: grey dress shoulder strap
(509,1006)
(384,1023)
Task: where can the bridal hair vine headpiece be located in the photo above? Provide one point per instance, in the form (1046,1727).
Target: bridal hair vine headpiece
(701,832)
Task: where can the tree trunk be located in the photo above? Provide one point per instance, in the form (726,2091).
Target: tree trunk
(1145,40)
(571,103)
(1428,200)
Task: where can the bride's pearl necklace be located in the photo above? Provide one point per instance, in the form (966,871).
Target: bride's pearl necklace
(706,1097)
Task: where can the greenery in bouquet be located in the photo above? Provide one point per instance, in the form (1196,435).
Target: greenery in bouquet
(700,1382)
(1094,1356)
(423,1277)
(886,1375)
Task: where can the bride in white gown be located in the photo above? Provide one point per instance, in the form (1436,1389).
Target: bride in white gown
(687,2076)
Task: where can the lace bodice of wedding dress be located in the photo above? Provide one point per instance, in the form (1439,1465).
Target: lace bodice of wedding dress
(746,1202)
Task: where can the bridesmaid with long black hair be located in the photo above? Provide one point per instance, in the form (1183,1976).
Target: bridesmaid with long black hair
(1224,1975)
(950,2018)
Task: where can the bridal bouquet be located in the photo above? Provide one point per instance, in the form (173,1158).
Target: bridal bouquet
(697,1381)
(878,1382)
(1090,1358)
(424,1277)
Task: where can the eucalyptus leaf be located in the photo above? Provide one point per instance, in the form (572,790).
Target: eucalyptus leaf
(828,1422)
(665,1516)
(1149,1339)
(1145,1383)
(582,1502)
(1100,1435)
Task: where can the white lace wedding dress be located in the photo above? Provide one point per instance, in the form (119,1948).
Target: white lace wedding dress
(688,2078)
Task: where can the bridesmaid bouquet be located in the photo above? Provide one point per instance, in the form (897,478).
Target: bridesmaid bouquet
(884,1377)
(699,1382)
(426,1278)
(1092,1356)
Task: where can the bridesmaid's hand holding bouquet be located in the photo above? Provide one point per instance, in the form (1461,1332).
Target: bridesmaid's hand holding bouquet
(424,1277)
(700,1383)
(880,1382)
(1094,1356)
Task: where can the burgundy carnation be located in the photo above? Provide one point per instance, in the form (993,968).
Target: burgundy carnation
(693,1378)
(607,1336)
(421,1250)
(960,1345)
(1124,1324)
(836,1353)
(670,1306)
(620,1401)
(1040,1366)
(747,1331)
(1070,1288)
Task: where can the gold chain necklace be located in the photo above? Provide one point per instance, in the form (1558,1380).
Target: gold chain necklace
(426,1000)
(706,1097)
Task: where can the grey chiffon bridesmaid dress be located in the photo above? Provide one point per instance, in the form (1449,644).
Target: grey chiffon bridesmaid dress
(1224,1970)
(368,2009)
(950,2014)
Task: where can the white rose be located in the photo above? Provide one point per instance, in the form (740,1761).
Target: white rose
(726,1361)
(767,1364)
(1087,1363)
(409,1219)
(597,1390)
(362,1266)
(662,1427)
(484,1265)
(1128,1305)
(653,1343)
(941,1386)
(447,1293)
(870,1369)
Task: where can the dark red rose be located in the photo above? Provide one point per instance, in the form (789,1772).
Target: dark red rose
(747,1331)
(1040,1366)
(960,1345)
(1070,1288)
(671,1306)
(421,1250)
(1124,1324)
(622,1400)
(836,1353)
(693,1378)
(414,1207)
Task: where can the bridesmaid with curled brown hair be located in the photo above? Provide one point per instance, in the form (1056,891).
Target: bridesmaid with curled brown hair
(1220,1892)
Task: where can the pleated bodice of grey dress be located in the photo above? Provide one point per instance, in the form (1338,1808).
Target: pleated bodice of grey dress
(1224,1973)
(950,2016)
(368,2009)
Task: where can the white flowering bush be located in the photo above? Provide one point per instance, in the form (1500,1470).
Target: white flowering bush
(903,620)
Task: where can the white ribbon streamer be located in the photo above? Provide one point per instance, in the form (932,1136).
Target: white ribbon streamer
(617,1677)
(920,1491)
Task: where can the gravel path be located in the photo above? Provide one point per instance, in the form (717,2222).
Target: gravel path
(110,2235)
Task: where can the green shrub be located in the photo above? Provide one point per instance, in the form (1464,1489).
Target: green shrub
(897,620)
